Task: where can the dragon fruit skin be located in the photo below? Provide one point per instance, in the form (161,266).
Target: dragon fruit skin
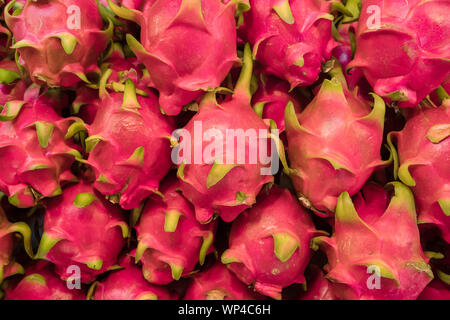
(423,148)
(35,158)
(375,233)
(8,267)
(218,283)
(337,136)
(291,38)
(54,51)
(41,283)
(436,290)
(12,84)
(271,99)
(82,229)
(269,244)
(128,284)
(188,46)
(134,130)
(413,59)
(319,288)
(171,240)
(225,189)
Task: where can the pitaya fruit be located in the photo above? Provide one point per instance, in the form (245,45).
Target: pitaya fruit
(188,46)
(401,49)
(8,266)
(291,38)
(171,240)
(224,177)
(41,283)
(337,136)
(436,290)
(129,145)
(423,163)
(59,41)
(218,283)
(82,229)
(319,288)
(34,156)
(375,251)
(271,99)
(12,83)
(269,244)
(127,283)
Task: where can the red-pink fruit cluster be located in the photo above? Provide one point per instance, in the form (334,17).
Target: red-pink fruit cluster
(188,46)
(423,163)
(401,48)
(58,41)
(375,251)
(226,180)
(35,158)
(171,240)
(218,283)
(334,144)
(82,230)
(270,243)
(127,283)
(291,38)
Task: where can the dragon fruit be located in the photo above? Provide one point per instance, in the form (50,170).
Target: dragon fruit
(400,48)
(127,284)
(291,38)
(171,240)
(8,267)
(319,288)
(337,136)
(188,46)
(271,99)
(82,229)
(215,183)
(436,290)
(423,163)
(41,283)
(375,251)
(12,84)
(134,130)
(35,158)
(218,283)
(59,41)
(269,244)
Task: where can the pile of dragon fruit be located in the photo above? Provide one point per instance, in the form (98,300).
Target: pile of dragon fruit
(225,149)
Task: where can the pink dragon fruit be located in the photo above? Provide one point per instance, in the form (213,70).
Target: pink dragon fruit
(215,183)
(8,267)
(319,288)
(375,251)
(436,290)
(58,41)
(34,157)
(133,130)
(41,283)
(423,163)
(171,240)
(82,229)
(218,283)
(337,136)
(400,48)
(188,46)
(291,38)
(269,244)
(271,99)
(12,83)
(127,284)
